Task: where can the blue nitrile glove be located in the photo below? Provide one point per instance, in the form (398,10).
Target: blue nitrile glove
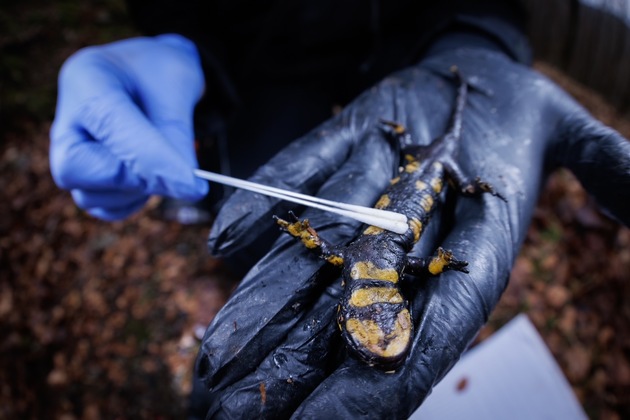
(124,124)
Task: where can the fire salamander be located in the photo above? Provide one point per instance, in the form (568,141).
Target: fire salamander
(373,316)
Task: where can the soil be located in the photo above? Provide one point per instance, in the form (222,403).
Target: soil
(101,320)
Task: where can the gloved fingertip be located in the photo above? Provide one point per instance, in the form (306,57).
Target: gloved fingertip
(201,188)
(114,215)
(194,191)
(179,41)
(109,216)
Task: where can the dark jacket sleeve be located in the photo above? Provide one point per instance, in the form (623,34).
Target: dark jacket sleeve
(192,19)
(184,17)
(352,44)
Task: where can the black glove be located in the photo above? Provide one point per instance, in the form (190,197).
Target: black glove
(275,350)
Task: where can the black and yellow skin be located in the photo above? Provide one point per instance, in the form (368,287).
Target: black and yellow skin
(373,316)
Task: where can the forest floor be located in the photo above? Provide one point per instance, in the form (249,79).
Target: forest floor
(100,320)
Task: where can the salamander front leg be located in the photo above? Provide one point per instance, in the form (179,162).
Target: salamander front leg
(302,230)
(396,132)
(443,261)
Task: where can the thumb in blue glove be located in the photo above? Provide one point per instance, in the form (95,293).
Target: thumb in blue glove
(123,129)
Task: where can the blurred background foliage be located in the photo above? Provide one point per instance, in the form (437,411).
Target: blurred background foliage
(35,38)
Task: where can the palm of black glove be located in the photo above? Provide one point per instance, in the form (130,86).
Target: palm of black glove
(274,349)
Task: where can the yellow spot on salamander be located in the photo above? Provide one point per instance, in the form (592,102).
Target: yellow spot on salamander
(427,203)
(367,270)
(421,185)
(410,158)
(399,129)
(436,266)
(437,165)
(437,184)
(373,230)
(394,181)
(310,242)
(369,335)
(382,202)
(412,167)
(367,296)
(335,260)
(416,228)
(440,262)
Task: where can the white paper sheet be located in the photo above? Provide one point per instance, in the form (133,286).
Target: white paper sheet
(511,375)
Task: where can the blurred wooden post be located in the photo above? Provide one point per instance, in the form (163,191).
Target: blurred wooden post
(587,39)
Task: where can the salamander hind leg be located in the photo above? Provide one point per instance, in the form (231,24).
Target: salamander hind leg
(467,186)
(399,138)
(477,187)
(396,132)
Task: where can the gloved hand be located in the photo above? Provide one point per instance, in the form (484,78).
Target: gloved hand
(124,124)
(274,349)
